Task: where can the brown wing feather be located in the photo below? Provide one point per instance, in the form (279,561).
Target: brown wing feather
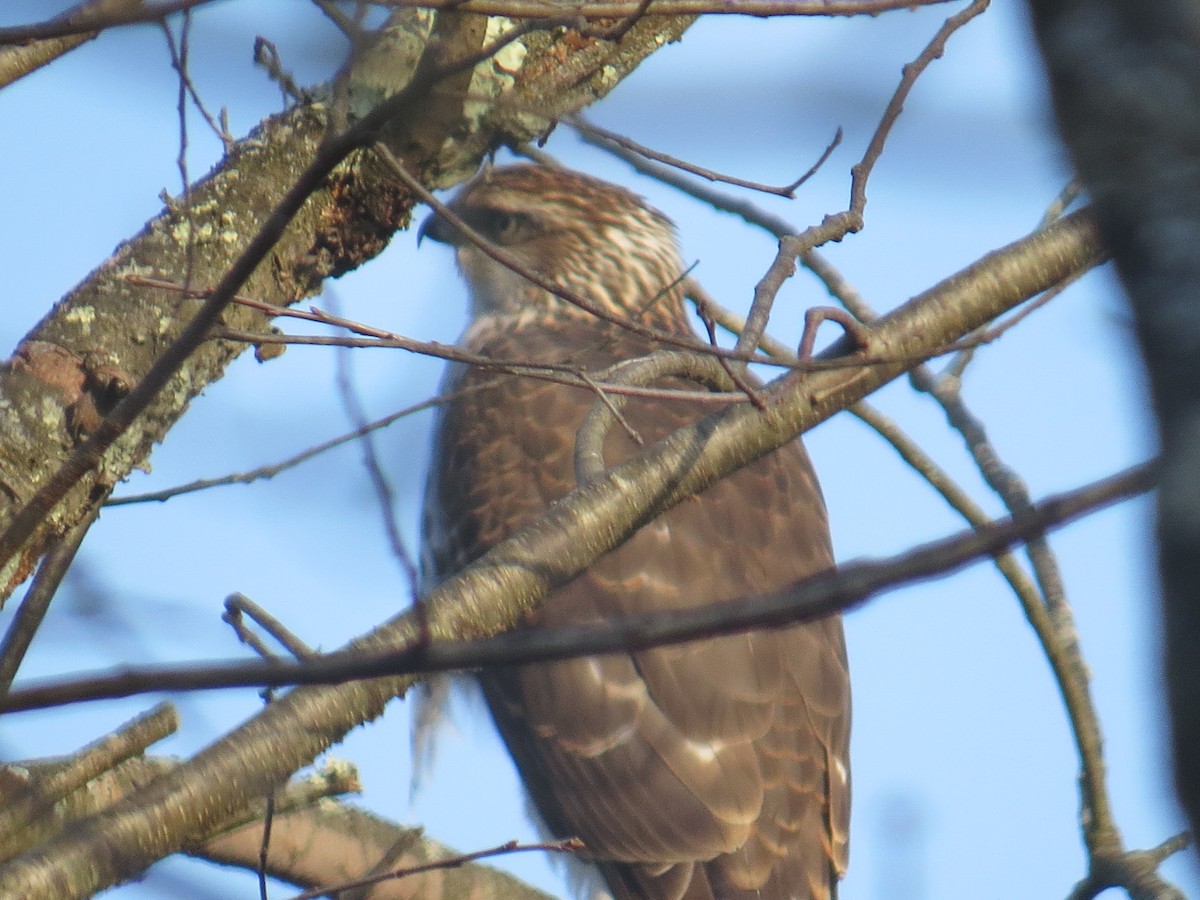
(717,769)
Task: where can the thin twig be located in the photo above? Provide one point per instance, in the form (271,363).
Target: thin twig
(589,440)
(737,374)
(37,599)
(558,372)
(933,50)
(602,137)
(567,845)
(382,487)
(266,54)
(851,220)
(238,605)
(179,61)
(270,471)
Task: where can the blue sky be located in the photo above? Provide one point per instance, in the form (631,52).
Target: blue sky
(964,770)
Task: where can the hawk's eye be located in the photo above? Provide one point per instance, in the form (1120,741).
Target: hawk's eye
(503,227)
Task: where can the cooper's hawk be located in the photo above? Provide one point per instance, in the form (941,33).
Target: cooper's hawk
(715,769)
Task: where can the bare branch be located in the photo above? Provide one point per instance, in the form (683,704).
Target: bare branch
(23,808)
(335,843)
(91,18)
(602,137)
(24,57)
(849,586)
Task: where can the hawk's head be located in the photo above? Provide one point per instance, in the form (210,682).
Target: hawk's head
(592,238)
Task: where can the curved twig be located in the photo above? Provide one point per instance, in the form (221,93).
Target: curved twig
(643,371)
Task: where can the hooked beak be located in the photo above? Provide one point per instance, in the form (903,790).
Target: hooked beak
(437,229)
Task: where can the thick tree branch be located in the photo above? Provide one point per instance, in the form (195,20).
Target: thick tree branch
(334,843)
(80,378)
(39,800)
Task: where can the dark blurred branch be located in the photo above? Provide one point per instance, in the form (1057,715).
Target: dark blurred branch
(1125,78)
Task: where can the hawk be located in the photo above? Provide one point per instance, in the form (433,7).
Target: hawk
(715,769)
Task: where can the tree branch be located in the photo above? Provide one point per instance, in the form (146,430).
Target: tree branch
(1124,77)
(103,377)
(851,585)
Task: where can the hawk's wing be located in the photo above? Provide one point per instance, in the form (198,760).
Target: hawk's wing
(718,767)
